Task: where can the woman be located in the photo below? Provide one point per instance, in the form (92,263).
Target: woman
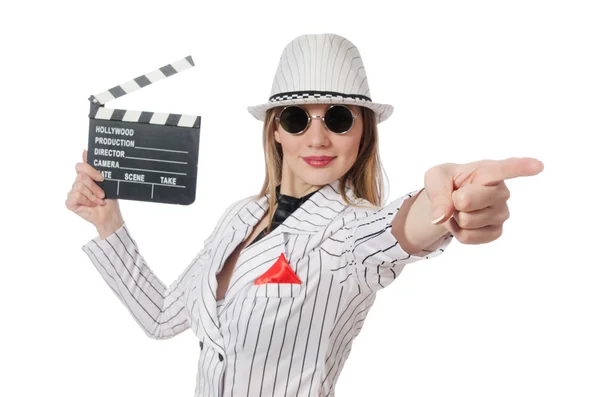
(284,282)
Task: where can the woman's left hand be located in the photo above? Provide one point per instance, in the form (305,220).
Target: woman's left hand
(470,199)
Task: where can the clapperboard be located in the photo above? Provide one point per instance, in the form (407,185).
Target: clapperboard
(144,156)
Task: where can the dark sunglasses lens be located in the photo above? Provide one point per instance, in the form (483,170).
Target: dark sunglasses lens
(338,119)
(293,119)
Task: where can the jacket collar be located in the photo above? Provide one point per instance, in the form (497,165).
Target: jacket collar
(312,216)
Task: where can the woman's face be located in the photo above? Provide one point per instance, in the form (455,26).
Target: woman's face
(300,175)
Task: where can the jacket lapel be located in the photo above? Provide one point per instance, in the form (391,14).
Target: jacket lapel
(237,231)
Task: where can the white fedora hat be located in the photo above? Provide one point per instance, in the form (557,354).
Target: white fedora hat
(321,68)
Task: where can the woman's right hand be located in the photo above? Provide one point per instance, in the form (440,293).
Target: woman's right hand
(86,199)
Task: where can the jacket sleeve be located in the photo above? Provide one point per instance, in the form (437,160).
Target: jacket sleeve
(373,255)
(160,311)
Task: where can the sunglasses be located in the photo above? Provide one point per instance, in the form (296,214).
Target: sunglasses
(295,119)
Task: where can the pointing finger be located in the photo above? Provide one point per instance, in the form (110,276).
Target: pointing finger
(493,172)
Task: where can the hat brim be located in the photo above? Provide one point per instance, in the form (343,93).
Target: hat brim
(382,111)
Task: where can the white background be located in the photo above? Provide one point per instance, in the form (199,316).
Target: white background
(469,80)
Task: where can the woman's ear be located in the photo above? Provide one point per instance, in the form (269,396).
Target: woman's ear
(276,135)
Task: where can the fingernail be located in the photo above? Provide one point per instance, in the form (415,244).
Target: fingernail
(438,215)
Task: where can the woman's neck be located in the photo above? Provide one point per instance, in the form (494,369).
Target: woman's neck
(297,190)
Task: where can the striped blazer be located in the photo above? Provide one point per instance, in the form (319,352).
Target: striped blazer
(273,339)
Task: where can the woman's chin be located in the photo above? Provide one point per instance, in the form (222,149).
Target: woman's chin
(320,178)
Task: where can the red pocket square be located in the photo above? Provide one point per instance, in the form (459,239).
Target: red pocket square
(279,273)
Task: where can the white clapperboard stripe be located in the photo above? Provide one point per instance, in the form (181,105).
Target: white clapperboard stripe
(99,112)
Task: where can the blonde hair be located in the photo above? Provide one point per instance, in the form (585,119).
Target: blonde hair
(365,177)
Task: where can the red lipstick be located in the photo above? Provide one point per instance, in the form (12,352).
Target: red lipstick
(318,161)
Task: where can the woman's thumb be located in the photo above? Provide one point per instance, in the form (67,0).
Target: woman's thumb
(439,187)
(441,212)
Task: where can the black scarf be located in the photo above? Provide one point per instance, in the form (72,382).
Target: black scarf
(286,205)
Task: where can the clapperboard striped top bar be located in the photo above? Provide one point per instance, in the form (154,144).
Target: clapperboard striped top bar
(98,111)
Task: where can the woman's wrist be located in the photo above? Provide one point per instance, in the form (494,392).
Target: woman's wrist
(109,227)
(412,225)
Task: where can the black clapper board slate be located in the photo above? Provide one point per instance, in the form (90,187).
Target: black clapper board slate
(144,156)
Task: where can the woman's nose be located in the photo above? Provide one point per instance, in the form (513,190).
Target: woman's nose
(317,133)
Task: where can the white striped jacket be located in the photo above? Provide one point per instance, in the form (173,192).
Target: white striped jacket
(272,339)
